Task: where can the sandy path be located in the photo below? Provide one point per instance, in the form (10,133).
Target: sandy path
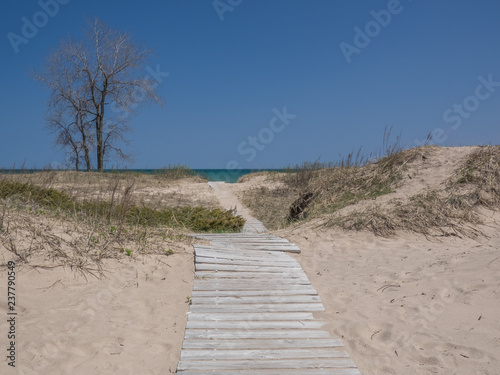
(252,309)
(228,200)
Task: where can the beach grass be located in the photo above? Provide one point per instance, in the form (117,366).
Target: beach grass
(79,219)
(451,209)
(122,211)
(335,185)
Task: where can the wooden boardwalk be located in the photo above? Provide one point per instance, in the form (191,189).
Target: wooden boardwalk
(252,312)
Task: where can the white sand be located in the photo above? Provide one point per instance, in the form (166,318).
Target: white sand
(132,322)
(407,304)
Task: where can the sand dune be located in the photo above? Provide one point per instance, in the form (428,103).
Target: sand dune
(406,304)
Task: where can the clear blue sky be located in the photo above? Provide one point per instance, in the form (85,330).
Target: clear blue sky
(420,72)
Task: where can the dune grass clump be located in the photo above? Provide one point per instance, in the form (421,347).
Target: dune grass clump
(478,180)
(46,197)
(122,210)
(430,214)
(448,211)
(334,186)
(197,219)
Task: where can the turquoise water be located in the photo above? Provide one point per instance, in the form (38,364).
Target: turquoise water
(228,175)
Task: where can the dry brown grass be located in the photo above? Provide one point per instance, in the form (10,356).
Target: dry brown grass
(430,214)
(269,204)
(449,211)
(40,239)
(347,182)
(477,182)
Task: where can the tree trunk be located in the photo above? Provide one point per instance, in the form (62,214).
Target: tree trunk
(100,148)
(87,159)
(100,127)
(77,156)
(86,150)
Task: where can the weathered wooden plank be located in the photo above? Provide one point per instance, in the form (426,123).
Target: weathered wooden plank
(258,247)
(232,235)
(249,249)
(232,258)
(251,254)
(254,316)
(250,281)
(276,307)
(255,299)
(252,245)
(246,263)
(247,324)
(240,235)
(214,334)
(266,364)
(240,252)
(257,241)
(262,354)
(246,284)
(262,344)
(218,259)
(238,243)
(291,275)
(329,371)
(295,290)
(252,241)
(239,268)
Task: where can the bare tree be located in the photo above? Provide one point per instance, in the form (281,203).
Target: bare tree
(90,74)
(67,113)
